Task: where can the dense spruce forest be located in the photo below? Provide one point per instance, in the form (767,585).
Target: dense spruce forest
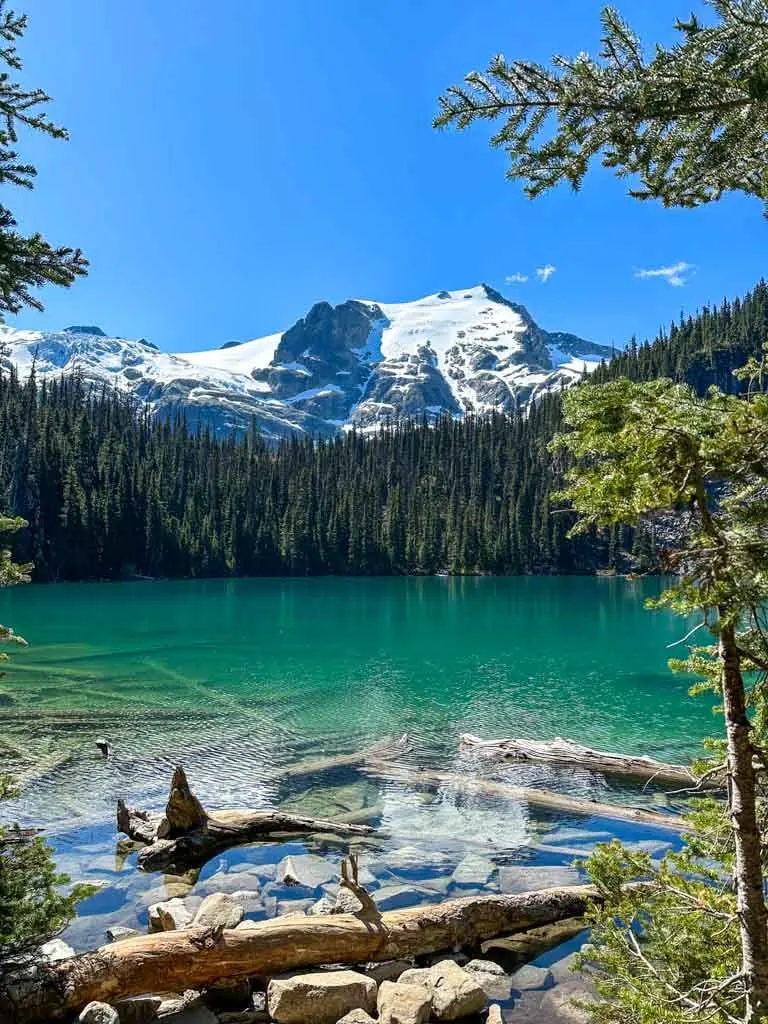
(110,493)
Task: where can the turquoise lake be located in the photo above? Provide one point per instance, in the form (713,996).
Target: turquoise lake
(242,680)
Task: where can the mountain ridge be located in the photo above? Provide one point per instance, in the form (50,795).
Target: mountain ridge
(361,363)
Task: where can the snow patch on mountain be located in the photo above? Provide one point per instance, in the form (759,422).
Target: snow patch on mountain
(361,363)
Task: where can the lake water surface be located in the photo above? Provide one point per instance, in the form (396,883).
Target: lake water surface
(242,680)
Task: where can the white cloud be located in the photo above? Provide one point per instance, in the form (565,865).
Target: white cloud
(544,273)
(516,278)
(677,274)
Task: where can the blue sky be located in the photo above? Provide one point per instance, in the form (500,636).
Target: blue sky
(232,163)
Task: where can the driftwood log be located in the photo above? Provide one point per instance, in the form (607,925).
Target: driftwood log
(197,957)
(560,751)
(543,798)
(187,835)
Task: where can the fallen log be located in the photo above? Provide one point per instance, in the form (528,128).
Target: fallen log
(543,798)
(197,957)
(560,751)
(187,835)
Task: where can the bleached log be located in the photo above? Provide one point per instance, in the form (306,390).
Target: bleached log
(187,835)
(197,957)
(560,751)
(543,798)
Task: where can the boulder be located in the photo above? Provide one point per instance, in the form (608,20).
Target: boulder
(522,878)
(403,1004)
(55,950)
(249,900)
(286,908)
(494,1015)
(118,932)
(170,916)
(323,997)
(357,1017)
(393,897)
(139,1010)
(98,1013)
(325,905)
(530,977)
(557,1005)
(414,859)
(306,870)
(218,911)
(474,870)
(454,992)
(494,979)
(346,903)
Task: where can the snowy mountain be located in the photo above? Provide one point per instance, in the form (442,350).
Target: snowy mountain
(360,363)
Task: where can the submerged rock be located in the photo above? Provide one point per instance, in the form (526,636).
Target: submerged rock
(118,932)
(474,870)
(521,878)
(305,870)
(530,977)
(393,897)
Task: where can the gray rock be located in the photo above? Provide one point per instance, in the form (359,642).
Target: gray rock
(118,932)
(386,970)
(98,1013)
(439,885)
(325,905)
(246,925)
(170,916)
(530,977)
(346,903)
(249,900)
(494,1015)
(403,1004)
(138,1010)
(392,897)
(218,911)
(474,870)
(176,1003)
(493,978)
(557,1004)
(56,950)
(415,859)
(306,870)
(229,882)
(323,997)
(357,1017)
(521,878)
(455,992)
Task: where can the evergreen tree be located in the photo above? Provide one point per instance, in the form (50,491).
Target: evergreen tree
(688,123)
(643,449)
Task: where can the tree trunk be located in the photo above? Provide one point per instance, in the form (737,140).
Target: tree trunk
(560,751)
(187,835)
(197,957)
(543,798)
(753,918)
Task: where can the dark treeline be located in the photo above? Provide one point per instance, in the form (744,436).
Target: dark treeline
(110,493)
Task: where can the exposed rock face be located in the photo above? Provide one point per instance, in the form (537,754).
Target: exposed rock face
(359,363)
(323,997)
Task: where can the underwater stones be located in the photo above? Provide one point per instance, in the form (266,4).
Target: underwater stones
(473,870)
(306,870)
(531,977)
(393,897)
(525,877)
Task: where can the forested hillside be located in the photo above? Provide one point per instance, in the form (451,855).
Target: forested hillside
(109,492)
